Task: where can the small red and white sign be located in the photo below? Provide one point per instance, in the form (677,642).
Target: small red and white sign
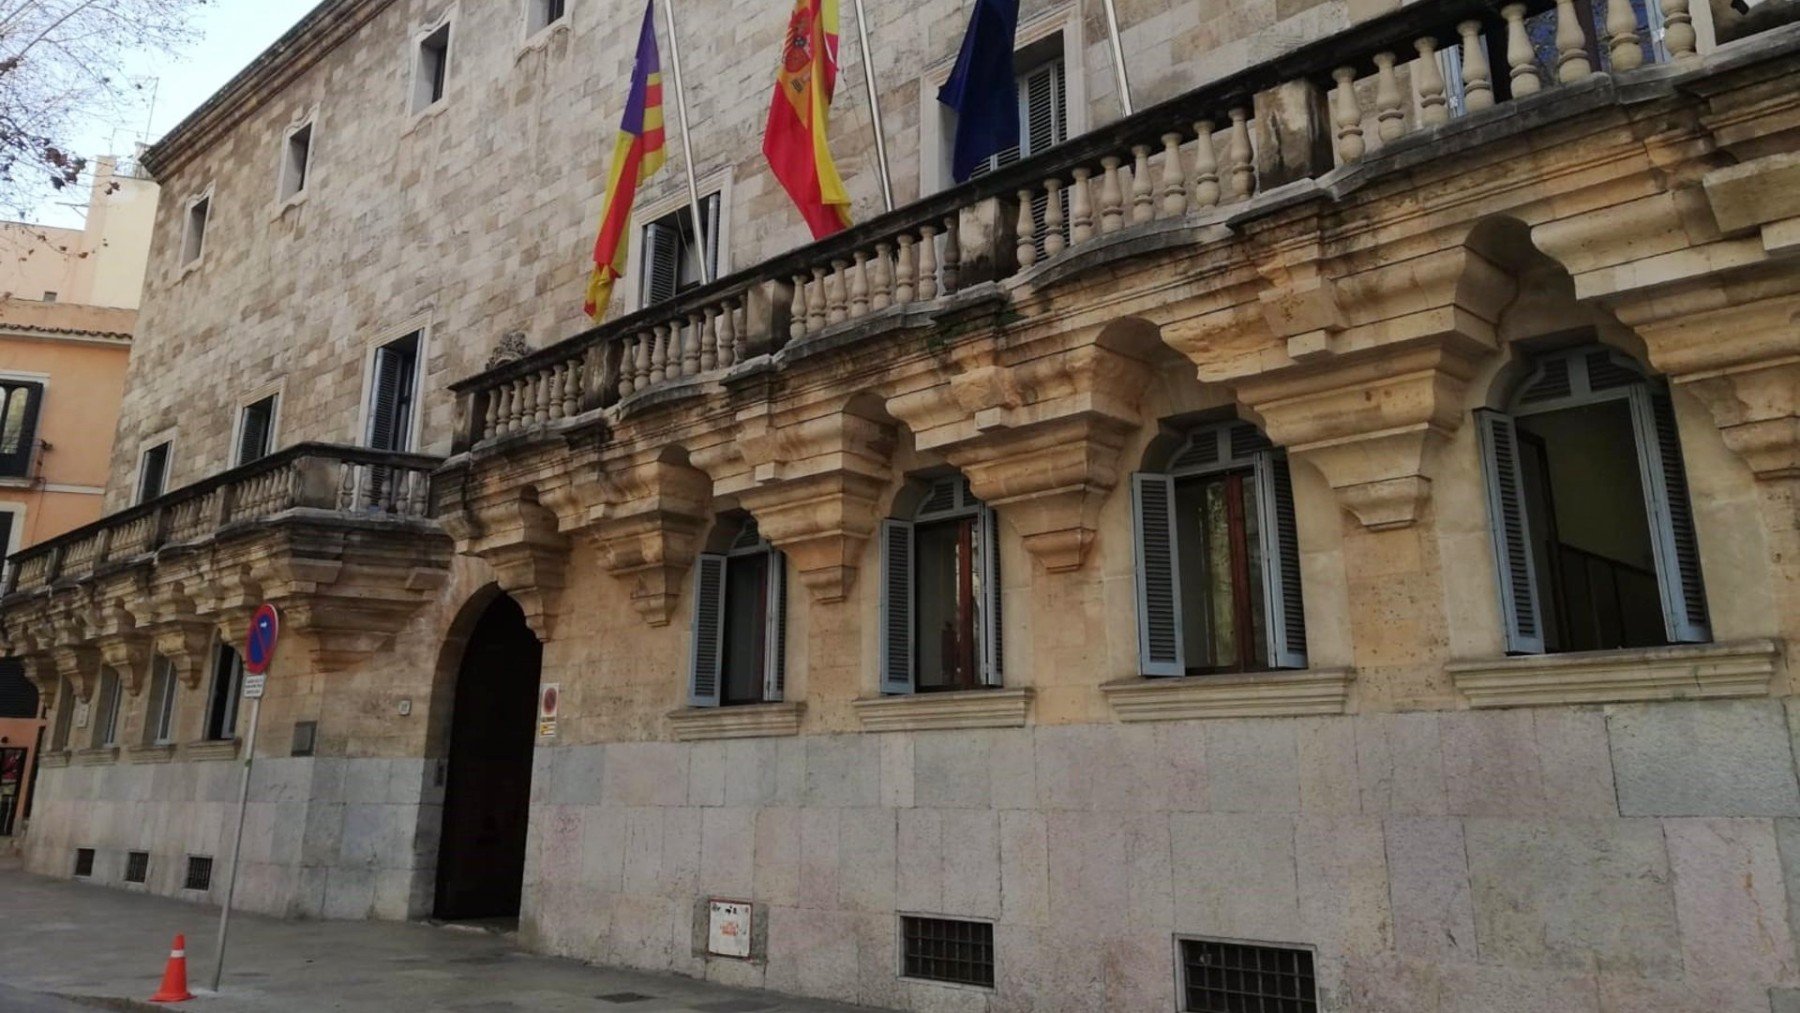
(548,699)
(728,929)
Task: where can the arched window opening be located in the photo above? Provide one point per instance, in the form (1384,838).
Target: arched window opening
(740,623)
(1588,504)
(940,593)
(1218,562)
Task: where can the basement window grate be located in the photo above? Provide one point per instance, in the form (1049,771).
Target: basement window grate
(1240,978)
(84,861)
(137,866)
(947,949)
(199,873)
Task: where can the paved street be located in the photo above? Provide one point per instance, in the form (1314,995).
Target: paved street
(69,946)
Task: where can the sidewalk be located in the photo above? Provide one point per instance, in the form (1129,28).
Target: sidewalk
(87,943)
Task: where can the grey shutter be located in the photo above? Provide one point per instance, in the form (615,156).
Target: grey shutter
(709,243)
(897,591)
(1160,650)
(384,399)
(1671,516)
(993,659)
(1284,609)
(775,665)
(662,253)
(709,631)
(1511,530)
(253,438)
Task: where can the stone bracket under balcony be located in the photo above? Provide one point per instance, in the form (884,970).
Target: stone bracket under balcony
(648,519)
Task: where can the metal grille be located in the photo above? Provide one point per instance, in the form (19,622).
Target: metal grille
(1234,978)
(84,861)
(199,873)
(943,949)
(137,866)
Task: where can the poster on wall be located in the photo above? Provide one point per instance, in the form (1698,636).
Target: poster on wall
(728,929)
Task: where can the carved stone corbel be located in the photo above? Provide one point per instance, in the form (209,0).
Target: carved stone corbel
(648,525)
(188,645)
(129,655)
(522,540)
(80,664)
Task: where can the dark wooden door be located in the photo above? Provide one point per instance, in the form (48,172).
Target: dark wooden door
(487,794)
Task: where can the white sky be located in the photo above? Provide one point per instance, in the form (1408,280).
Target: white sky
(233,32)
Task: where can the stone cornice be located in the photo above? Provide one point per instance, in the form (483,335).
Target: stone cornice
(1684,672)
(1256,695)
(754,721)
(924,712)
(263,81)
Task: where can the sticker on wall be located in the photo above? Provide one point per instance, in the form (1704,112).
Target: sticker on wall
(548,697)
(728,929)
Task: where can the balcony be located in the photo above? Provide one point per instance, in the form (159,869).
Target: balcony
(340,538)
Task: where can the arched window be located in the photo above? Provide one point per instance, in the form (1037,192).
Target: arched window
(1588,504)
(940,593)
(740,623)
(1218,564)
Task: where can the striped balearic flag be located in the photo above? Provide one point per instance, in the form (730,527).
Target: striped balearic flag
(637,154)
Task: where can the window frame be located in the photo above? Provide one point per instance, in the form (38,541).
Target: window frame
(224,697)
(271,393)
(15,536)
(26,456)
(159,714)
(198,208)
(166,444)
(708,676)
(62,727)
(538,19)
(110,696)
(290,191)
(431,92)
(1207,449)
(715,186)
(939,499)
(420,332)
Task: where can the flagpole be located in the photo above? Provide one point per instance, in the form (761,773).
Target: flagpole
(868,64)
(1118,55)
(701,237)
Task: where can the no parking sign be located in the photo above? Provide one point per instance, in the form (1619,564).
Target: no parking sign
(259,648)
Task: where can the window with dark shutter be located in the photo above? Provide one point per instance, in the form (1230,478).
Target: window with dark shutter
(941,626)
(8,519)
(222,701)
(1043,121)
(159,723)
(153,472)
(19,405)
(393,388)
(740,623)
(1594,539)
(672,255)
(256,430)
(1218,558)
(709,631)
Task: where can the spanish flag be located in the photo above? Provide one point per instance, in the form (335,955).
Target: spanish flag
(800,116)
(637,154)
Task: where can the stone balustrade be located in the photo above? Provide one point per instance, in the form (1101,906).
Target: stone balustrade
(1395,80)
(311,476)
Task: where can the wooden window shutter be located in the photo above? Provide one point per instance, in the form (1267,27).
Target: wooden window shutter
(662,267)
(993,658)
(897,606)
(19,407)
(1284,606)
(709,631)
(775,665)
(384,399)
(1671,516)
(1160,650)
(1513,567)
(253,435)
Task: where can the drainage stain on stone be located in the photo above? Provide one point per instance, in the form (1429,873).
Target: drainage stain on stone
(624,997)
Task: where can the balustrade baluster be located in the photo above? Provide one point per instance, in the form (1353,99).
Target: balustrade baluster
(1112,196)
(859,285)
(836,311)
(797,310)
(1206,166)
(544,392)
(815,302)
(490,411)
(359,492)
(1434,107)
(1027,231)
(1054,243)
(881,278)
(1239,154)
(1348,117)
(905,271)
(1572,63)
(502,396)
(692,337)
(1520,57)
(646,348)
(952,254)
(1174,177)
(627,366)
(928,268)
(1478,78)
(523,408)
(1081,208)
(1678,29)
(1622,41)
(659,354)
(1143,193)
(1390,114)
(709,340)
(726,327)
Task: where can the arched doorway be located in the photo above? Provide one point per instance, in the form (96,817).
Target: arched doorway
(487,793)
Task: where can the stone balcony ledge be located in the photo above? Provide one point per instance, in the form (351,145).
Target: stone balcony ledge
(97,756)
(743,721)
(924,712)
(1253,695)
(1683,672)
(203,752)
(163,753)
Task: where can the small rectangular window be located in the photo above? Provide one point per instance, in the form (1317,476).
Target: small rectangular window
(433,69)
(153,472)
(106,719)
(948,949)
(49,296)
(19,404)
(671,257)
(256,430)
(543,14)
(199,873)
(392,392)
(1233,976)
(84,861)
(193,242)
(137,866)
(222,704)
(296,160)
(306,736)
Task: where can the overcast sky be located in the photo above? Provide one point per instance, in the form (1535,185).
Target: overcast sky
(233,32)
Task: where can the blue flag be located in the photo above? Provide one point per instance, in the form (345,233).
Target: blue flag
(983,89)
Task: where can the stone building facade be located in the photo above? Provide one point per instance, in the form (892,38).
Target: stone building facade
(1343,517)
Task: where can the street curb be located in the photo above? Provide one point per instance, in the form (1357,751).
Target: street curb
(107,1001)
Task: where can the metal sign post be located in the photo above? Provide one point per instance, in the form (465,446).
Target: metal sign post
(259,649)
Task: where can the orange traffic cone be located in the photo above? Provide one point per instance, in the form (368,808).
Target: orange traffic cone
(174,984)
